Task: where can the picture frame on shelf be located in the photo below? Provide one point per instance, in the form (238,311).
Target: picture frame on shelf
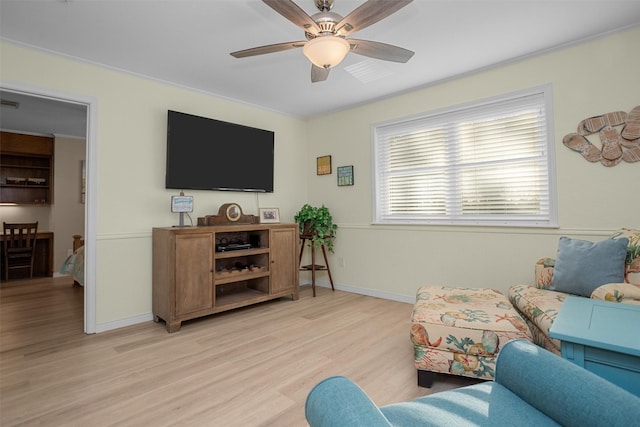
(323,165)
(269,215)
(345,175)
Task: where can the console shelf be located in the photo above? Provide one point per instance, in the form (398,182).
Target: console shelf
(191,279)
(239,299)
(243,252)
(221,279)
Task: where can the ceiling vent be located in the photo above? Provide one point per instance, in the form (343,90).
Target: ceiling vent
(368,71)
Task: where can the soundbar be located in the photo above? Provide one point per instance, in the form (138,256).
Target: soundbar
(233,247)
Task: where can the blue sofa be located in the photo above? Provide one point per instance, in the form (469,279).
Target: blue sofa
(532,387)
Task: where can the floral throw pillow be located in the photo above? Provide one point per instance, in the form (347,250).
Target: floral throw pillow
(632,274)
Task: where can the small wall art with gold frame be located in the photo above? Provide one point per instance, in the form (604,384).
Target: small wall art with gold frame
(323,165)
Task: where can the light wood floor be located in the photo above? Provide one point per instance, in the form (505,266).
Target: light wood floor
(249,367)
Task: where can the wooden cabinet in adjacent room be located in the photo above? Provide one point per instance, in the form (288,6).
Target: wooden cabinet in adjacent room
(198,271)
(26,169)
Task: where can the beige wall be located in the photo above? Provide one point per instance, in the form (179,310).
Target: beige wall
(28,213)
(67,209)
(131,133)
(588,79)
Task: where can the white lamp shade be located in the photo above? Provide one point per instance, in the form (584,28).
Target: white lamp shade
(326,51)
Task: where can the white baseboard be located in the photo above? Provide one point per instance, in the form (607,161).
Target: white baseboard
(129,321)
(364,291)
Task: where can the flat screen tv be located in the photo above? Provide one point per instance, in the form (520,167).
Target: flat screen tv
(208,154)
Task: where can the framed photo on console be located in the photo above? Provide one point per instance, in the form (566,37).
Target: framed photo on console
(269,215)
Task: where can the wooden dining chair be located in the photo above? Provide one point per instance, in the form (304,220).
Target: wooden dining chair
(19,246)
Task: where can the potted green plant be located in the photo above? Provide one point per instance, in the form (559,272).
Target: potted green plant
(317,225)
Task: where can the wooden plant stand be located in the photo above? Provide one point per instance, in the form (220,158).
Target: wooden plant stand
(313,267)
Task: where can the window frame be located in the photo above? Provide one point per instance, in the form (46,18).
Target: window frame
(478,107)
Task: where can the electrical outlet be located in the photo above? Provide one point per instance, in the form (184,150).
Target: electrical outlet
(341,262)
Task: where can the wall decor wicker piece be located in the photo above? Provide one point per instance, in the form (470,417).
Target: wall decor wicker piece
(619,135)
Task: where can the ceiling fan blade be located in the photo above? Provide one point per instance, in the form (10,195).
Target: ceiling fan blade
(295,14)
(369,13)
(386,52)
(271,48)
(319,74)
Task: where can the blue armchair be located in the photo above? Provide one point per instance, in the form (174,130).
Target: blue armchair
(532,387)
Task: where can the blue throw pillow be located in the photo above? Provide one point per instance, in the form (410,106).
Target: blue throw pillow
(582,266)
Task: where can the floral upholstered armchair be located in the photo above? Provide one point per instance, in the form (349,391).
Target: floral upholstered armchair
(608,270)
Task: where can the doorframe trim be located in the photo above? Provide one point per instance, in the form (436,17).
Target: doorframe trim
(91,201)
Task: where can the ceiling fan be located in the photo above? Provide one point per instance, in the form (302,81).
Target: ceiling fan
(325,45)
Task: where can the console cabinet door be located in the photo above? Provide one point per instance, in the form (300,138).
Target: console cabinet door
(194,273)
(284,266)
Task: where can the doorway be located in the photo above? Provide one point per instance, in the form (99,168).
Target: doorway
(68,102)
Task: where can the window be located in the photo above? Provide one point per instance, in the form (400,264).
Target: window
(489,163)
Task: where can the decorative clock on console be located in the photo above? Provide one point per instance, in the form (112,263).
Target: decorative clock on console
(229,213)
(232,211)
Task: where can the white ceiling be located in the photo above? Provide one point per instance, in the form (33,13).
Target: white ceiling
(188,43)
(43,116)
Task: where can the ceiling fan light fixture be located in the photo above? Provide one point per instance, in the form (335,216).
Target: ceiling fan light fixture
(326,51)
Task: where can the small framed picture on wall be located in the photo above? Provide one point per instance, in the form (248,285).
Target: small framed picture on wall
(323,165)
(345,175)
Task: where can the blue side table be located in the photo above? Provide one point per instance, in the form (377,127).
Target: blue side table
(602,337)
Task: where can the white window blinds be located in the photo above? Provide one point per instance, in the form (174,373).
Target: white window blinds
(488,163)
